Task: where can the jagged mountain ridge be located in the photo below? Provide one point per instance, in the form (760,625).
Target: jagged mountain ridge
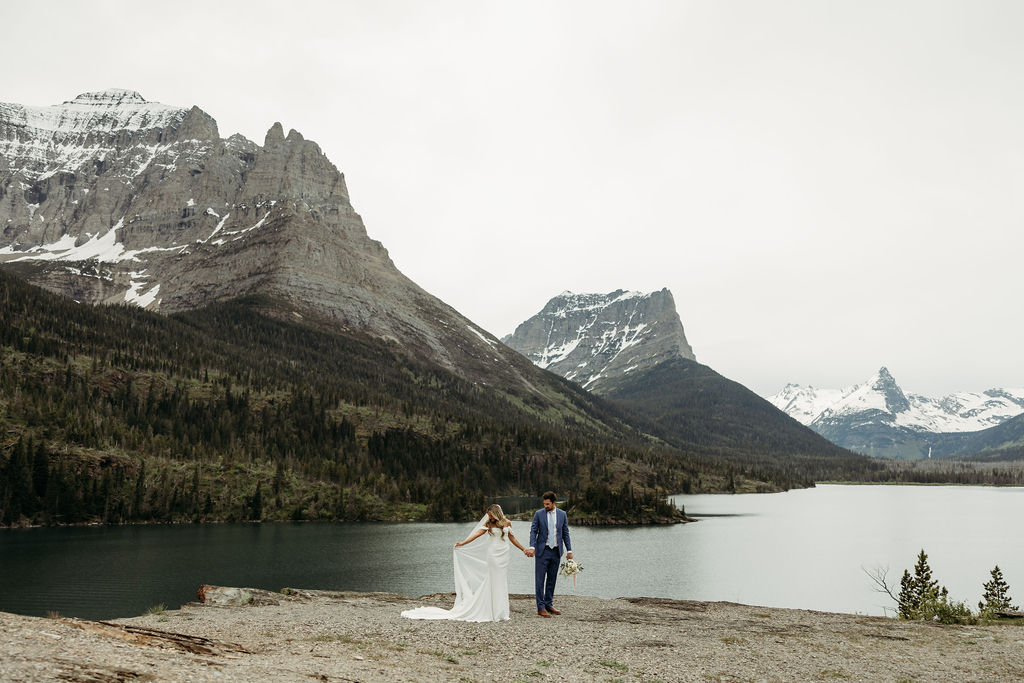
(108,198)
(878,418)
(588,338)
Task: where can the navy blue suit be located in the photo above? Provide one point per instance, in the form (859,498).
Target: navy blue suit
(546,560)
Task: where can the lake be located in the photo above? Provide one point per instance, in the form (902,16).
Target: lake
(802,548)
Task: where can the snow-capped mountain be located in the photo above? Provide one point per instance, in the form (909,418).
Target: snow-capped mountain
(804,403)
(960,412)
(877,417)
(630,348)
(588,338)
(109,198)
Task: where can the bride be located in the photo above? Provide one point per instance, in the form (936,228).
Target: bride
(481,573)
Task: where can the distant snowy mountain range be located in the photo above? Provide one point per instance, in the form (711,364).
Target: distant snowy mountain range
(879,418)
(959,412)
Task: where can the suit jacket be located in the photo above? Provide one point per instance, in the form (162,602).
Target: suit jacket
(539,530)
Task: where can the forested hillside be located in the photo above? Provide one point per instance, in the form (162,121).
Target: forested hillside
(693,407)
(247,410)
(1001,442)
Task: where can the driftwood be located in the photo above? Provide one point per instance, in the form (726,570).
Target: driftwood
(138,635)
(1010,615)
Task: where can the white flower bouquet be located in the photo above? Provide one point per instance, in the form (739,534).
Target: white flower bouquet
(570,568)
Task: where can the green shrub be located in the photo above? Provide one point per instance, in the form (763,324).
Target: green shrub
(948,612)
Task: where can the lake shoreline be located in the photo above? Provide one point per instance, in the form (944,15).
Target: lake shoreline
(353,636)
(582,520)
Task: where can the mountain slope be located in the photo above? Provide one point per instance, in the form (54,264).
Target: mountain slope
(117,414)
(1002,442)
(696,408)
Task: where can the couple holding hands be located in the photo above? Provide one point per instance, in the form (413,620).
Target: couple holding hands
(481,566)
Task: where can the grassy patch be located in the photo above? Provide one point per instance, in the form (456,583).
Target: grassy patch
(732,640)
(612,664)
(156,609)
(833,673)
(331,638)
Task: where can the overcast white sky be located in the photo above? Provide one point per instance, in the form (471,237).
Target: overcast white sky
(826,187)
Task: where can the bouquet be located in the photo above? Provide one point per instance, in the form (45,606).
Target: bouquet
(570,568)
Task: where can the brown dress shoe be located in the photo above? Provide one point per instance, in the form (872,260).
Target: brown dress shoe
(552,610)
(544,613)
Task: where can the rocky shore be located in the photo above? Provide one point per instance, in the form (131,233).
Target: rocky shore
(302,635)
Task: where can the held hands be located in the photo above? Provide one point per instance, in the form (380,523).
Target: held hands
(528,552)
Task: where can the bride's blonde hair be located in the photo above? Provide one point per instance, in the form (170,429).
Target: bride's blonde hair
(500,521)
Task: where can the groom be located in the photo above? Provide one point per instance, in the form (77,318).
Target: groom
(550,528)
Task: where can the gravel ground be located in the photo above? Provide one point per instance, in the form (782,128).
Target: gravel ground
(332,636)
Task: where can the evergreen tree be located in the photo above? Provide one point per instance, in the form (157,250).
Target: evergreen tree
(138,501)
(997,595)
(256,506)
(40,470)
(18,498)
(919,593)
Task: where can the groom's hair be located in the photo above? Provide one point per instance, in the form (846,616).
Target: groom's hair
(549,495)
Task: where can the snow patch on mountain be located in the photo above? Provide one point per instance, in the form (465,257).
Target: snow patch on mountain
(42,141)
(804,403)
(107,110)
(103,248)
(134,294)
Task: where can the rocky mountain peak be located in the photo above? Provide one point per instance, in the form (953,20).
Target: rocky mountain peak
(275,135)
(109,96)
(884,383)
(110,198)
(595,338)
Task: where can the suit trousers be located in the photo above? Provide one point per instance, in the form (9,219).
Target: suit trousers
(546,567)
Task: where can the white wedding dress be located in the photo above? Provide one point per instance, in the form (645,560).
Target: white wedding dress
(481,580)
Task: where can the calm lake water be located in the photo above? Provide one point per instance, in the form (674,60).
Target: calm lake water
(797,549)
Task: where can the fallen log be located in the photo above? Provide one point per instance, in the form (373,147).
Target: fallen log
(139,635)
(1010,615)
